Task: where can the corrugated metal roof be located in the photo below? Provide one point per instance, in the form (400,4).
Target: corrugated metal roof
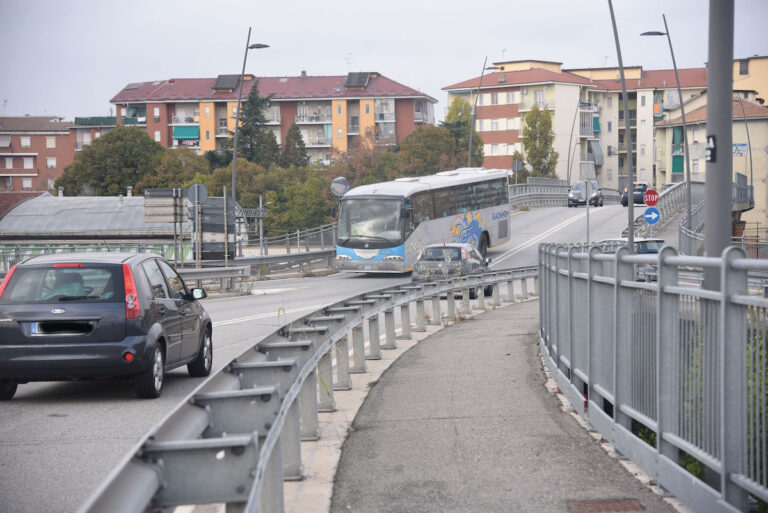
(81,215)
(34,124)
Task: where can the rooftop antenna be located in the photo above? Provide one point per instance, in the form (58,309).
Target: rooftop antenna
(605,61)
(348,58)
(503,51)
(5,105)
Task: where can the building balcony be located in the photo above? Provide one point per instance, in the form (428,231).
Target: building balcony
(222,131)
(313,118)
(527,102)
(353,130)
(420,117)
(318,142)
(183,120)
(273,119)
(385,116)
(135,121)
(623,147)
(386,139)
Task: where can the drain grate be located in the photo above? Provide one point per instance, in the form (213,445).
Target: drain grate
(605,506)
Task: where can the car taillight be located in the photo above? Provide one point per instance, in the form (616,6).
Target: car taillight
(463,254)
(6,280)
(132,308)
(67,265)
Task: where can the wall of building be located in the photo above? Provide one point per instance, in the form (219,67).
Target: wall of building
(404,120)
(339,123)
(367,119)
(566,133)
(207,126)
(758,135)
(756,77)
(40,176)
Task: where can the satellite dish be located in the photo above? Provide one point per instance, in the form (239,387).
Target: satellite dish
(339,186)
(197,192)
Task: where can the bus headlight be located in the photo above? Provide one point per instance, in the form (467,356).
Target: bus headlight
(343,257)
(393,258)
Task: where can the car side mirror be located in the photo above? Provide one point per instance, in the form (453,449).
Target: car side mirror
(487,260)
(199,293)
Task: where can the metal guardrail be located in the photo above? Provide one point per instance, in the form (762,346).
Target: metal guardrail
(671,202)
(538,195)
(668,372)
(236,438)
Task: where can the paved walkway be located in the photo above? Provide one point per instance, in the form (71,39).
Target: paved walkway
(463,422)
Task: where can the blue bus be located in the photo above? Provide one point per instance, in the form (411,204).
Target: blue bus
(383,226)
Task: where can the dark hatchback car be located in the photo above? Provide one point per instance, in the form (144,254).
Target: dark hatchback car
(577,195)
(442,261)
(100,315)
(638,190)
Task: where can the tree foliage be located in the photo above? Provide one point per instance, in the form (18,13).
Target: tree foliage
(457,121)
(253,142)
(294,150)
(123,156)
(177,168)
(218,158)
(428,150)
(538,140)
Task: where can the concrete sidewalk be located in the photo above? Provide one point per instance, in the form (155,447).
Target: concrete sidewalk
(463,422)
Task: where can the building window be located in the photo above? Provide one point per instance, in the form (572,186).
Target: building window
(338,109)
(367,108)
(157,135)
(695,166)
(494,124)
(609,102)
(50,142)
(642,100)
(480,125)
(25,142)
(122,112)
(642,149)
(96,134)
(642,123)
(234,111)
(156,113)
(744,67)
(339,132)
(480,99)
(8,162)
(207,135)
(609,172)
(610,126)
(26,183)
(28,163)
(511,97)
(51,183)
(50,162)
(642,174)
(207,112)
(8,181)
(494,149)
(494,98)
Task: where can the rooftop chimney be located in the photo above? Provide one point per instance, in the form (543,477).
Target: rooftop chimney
(130,192)
(61,191)
(303,73)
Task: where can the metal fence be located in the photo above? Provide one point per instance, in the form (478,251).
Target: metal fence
(673,375)
(541,195)
(312,239)
(236,438)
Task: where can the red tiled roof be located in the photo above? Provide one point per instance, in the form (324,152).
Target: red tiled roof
(751,110)
(660,79)
(512,78)
(281,88)
(34,124)
(8,200)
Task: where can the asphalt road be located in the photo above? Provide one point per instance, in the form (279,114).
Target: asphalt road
(59,440)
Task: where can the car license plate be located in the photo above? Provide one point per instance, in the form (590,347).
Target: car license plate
(367,268)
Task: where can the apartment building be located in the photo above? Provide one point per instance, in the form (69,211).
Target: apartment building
(334,113)
(750,128)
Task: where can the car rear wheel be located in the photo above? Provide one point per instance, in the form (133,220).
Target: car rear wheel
(483,246)
(149,383)
(201,366)
(7,389)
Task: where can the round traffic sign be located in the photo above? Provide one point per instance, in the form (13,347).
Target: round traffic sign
(651,197)
(651,215)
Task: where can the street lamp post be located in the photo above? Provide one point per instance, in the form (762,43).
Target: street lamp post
(248,46)
(474,110)
(682,115)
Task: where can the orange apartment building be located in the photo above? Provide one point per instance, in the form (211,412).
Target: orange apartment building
(334,113)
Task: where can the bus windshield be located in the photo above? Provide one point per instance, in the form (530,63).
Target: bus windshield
(375,222)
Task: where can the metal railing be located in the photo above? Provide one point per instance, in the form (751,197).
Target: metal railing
(671,201)
(535,195)
(237,437)
(669,373)
(313,239)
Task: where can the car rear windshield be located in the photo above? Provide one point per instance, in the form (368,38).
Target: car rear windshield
(53,284)
(441,254)
(649,246)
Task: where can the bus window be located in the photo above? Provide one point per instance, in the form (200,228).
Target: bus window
(444,203)
(482,195)
(464,199)
(500,192)
(422,207)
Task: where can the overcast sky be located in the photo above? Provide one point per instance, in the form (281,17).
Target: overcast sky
(69,57)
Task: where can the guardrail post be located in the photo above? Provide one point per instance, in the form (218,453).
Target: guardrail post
(510,290)
(536,286)
(524,288)
(464,306)
(733,333)
(622,352)
(435,315)
(325,401)
(373,339)
(358,350)
(667,355)
(405,321)
(288,243)
(421,316)
(322,239)
(343,380)
(495,295)
(481,298)
(451,300)
(390,337)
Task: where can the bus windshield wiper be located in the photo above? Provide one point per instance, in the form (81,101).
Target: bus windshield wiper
(371,237)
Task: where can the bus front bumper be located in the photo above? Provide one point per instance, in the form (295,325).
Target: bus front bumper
(378,266)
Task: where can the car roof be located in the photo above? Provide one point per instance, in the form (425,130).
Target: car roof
(87,257)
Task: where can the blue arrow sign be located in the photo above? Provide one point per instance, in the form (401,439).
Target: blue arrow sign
(652,215)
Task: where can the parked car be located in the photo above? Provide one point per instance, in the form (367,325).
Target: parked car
(643,272)
(577,195)
(638,189)
(441,261)
(80,316)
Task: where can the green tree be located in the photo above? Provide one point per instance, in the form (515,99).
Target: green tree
(428,150)
(365,162)
(177,168)
(524,173)
(253,124)
(269,151)
(458,121)
(294,150)
(218,158)
(123,156)
(538,140)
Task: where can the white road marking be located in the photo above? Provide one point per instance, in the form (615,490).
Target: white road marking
(538,238)
(282,313)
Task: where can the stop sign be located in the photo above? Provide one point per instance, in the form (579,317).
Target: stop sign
(651,197)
